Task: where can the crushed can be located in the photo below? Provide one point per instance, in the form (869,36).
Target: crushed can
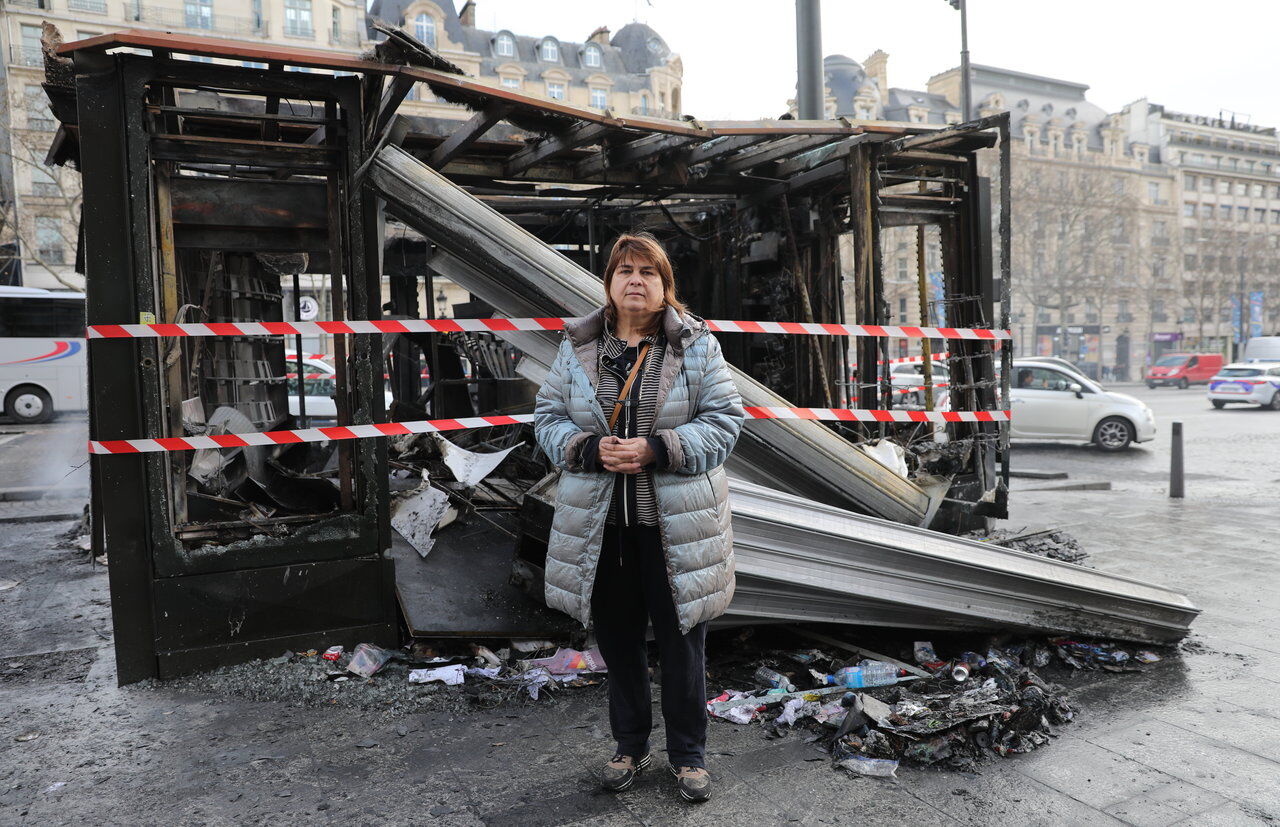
(332,653)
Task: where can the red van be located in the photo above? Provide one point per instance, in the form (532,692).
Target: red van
(1183,369)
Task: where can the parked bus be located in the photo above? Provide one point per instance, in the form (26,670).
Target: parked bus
(43,369)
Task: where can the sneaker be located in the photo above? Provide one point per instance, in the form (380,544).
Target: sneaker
(694,783)
(621,771)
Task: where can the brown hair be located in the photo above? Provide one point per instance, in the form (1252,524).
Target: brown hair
(643,247)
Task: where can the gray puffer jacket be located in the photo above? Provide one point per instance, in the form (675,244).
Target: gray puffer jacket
(698,417)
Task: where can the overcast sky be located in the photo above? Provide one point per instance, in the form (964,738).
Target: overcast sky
(739,62)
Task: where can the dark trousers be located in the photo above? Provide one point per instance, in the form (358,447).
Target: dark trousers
(631,589)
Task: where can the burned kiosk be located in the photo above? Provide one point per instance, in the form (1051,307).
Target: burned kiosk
(210,187)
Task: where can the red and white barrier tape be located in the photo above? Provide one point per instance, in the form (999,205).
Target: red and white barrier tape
(195,443)
(136,331)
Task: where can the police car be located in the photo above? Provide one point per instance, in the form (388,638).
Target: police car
(1256,382)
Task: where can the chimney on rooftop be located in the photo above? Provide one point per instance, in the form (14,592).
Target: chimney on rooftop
(467,16)
(600,35)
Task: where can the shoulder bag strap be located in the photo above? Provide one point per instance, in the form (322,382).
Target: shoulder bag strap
(626,387)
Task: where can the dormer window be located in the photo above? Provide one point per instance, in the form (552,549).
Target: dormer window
(591,56)
(424,29)
(505,46)
(550,51)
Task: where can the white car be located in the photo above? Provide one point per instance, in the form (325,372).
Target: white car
(1050,402)
(910,375)
(319,384)
(1255,382)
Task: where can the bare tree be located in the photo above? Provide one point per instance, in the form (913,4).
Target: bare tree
(50,197)
(1070,219)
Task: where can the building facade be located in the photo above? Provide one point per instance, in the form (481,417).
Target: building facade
(1227,192)
(40,204)
(631,72)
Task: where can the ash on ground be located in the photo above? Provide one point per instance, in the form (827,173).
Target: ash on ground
(1051,543)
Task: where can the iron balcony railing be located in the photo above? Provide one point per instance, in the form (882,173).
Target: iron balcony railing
(26,56)
(95,6)
(174,18)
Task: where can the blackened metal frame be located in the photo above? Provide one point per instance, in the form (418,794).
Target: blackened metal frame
(177,610)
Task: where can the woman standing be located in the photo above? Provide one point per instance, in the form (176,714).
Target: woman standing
(640,412)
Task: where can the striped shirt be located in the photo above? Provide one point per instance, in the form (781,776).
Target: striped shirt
(614,359)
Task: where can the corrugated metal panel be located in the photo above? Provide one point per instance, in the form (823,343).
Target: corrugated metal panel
(801,560)
(487,254)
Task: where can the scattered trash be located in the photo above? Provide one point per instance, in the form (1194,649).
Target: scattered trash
(27,736)
(526,646)
(332,653)
(448,675)
(282,659)
(57,785)
(5,585)
(1147,657)
(485,656)
(866,673)
(774,680)
(924,653)
(875,767)
(367,660)
(569,662)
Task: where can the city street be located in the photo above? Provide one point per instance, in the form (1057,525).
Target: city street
(1231,453)
(1191,739)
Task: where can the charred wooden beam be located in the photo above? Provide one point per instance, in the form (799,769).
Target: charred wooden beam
(631,153)
(582,133)
(720,147)
(467,134)
(773,151)
(973,130)
(232,152)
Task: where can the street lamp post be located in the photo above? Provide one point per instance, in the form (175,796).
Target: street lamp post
(966,92)
(809,80)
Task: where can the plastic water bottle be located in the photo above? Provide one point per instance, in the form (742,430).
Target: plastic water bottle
(776,680)
(867,673)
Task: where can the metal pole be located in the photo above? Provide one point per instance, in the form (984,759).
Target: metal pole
(809,81)
(1175,463)
(1240,337)
(297,347)
(966,93)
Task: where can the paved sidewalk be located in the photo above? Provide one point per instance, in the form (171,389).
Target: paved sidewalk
(1194,739)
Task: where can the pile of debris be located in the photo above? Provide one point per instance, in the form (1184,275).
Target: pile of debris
(422,676)
(1050,542)
(951,712)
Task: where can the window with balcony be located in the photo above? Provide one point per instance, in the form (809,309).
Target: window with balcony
(592,56)
(49,244)
(1207,184)
(505,45)
(555,91)
(1242,213)
(424,29)
(549,51)
(29,52)
(1224,186)
(1259,215)
(43,183)
(1256,190)
(37,106)
(335,23)
(599,99)
(198,14)
(95,6)
(644,103)
(297,18)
